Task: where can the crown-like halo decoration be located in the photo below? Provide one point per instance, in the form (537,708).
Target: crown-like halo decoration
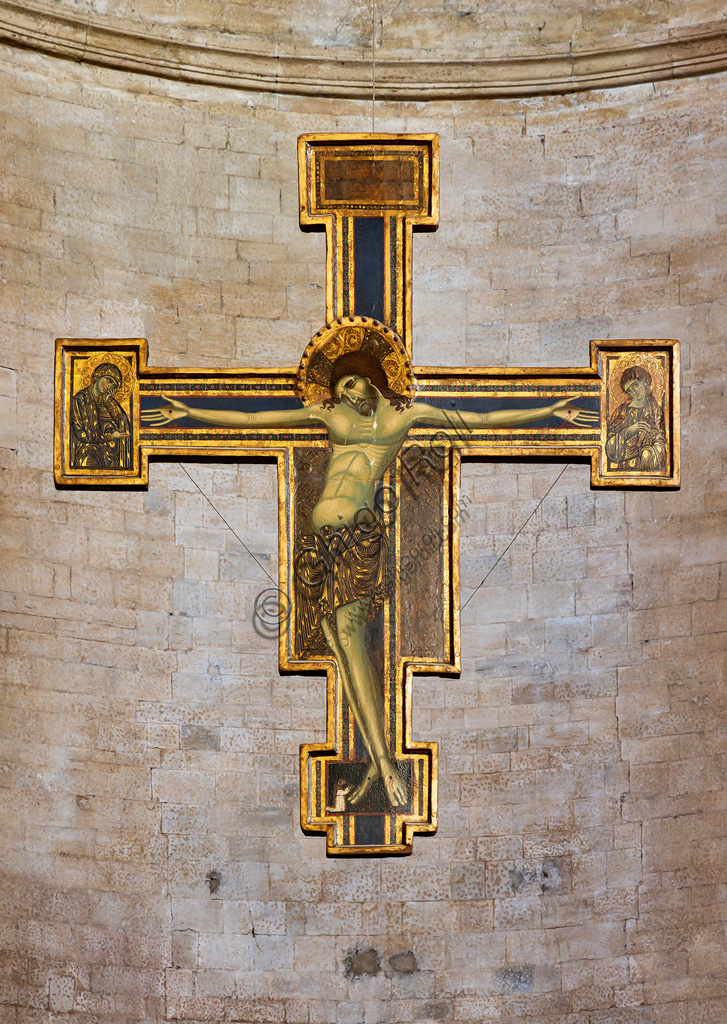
(98,359)
(353,334)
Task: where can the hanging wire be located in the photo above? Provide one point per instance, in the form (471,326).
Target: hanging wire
(503,553)
(227,524)
(373,65)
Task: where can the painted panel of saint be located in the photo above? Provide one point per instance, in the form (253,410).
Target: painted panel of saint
(636,440)
(100,432)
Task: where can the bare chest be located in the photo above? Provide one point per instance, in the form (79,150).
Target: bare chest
(348,427)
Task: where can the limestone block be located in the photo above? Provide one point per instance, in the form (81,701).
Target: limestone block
(61,994)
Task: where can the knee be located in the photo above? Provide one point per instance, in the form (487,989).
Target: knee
(345,634)
(348,630)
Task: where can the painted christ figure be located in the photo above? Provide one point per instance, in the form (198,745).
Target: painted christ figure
(341,552)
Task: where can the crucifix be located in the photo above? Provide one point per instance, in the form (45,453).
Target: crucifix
(368,449)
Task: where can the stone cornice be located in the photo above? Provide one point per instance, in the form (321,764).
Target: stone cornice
(676,53)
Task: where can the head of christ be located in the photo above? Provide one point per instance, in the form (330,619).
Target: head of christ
(358,379)
(636,383)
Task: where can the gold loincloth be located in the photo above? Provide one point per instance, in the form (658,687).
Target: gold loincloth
(335,567)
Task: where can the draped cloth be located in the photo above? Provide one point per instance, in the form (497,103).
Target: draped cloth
(334,567)
(635,452)
(91,422)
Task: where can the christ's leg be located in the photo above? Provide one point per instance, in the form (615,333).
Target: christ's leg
(367,708)
(351,693)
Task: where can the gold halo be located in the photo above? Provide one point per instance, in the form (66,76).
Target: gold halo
(649,362)
(97,359)
(353,334)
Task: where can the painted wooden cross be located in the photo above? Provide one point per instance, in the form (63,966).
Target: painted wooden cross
(368,452)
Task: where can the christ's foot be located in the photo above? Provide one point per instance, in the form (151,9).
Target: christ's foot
(360,792)
(396,788)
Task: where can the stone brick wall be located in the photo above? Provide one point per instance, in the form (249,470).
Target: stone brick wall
(150,747)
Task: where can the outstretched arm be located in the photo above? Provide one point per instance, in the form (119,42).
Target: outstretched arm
(173,409)
(564,409)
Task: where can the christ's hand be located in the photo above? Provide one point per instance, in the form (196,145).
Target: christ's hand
(565,410)
(173,409)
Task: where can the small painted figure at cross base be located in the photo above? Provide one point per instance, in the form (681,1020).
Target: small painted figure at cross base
(100,433)
(636,438)
(339,800)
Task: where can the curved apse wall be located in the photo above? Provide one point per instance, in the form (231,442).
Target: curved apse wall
(458,50)
(406,29)
(148,738)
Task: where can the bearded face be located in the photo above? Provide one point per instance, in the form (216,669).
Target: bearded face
(359,393)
